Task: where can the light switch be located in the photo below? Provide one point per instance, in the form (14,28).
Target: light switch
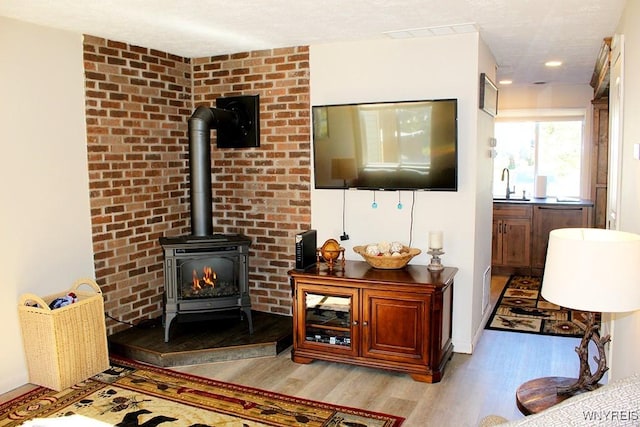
(636,151)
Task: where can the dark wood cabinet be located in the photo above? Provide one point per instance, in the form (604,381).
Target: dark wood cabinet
(391,319)
(521,232)
(600,161)
(600,134)
(398,329)
(511,240)
(547,218)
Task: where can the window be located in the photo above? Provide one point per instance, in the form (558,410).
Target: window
(394,136)
(551,148)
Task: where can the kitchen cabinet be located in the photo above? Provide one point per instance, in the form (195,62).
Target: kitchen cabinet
(547,218)
(391,319)
(600,161)
(511,240)
(600,134)
(521,231)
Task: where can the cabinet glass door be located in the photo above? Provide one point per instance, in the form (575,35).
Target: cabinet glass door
(328,319)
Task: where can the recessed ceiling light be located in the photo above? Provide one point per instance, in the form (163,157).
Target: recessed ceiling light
(553,63)
(505,82)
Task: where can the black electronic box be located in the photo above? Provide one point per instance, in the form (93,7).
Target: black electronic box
(306,248)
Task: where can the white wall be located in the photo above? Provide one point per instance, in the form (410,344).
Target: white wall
(44,215)
(483,214)
(630,191)
(544,97)
(625,333)
(420,68)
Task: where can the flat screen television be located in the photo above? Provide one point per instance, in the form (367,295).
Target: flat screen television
(406,145)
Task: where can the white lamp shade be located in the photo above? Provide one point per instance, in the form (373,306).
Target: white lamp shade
(592,269)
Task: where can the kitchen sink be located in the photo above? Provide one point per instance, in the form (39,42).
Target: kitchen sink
(504,199)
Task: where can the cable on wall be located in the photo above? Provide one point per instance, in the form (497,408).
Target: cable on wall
(413,205)
(344,236)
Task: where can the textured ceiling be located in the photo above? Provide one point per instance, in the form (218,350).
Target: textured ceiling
(522,34)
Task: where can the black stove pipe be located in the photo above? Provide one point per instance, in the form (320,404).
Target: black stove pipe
(201,122)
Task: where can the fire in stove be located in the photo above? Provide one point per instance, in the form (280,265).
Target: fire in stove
(209,278)
(207,283)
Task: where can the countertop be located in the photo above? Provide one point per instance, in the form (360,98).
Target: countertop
(567,201)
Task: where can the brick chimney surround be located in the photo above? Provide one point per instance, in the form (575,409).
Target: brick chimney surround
(138,101)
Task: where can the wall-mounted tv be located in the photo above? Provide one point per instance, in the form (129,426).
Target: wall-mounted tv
(406,145)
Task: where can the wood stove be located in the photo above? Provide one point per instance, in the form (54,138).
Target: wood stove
(205,274)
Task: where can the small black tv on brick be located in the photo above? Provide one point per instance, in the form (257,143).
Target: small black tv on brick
(306,247)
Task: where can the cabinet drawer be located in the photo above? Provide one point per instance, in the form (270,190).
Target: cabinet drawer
(512,211)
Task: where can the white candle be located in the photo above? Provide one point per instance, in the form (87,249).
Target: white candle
(435,240)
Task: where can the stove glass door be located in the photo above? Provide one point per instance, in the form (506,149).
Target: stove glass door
(208,277)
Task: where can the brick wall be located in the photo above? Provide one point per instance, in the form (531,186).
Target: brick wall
(263,192)
(137,104)
(138,101)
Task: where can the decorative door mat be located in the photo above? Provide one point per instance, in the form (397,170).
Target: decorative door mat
(521,308)
(130,393)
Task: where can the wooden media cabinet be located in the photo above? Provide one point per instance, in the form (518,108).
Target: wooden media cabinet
(391,319)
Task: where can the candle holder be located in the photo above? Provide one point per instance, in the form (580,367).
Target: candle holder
(435,264)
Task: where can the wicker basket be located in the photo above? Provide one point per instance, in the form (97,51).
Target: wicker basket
(66,345)
(388,262)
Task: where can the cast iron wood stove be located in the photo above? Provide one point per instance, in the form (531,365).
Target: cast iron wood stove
(206,272)
(205,275)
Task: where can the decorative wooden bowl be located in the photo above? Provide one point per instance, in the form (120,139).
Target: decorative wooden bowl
(388,262)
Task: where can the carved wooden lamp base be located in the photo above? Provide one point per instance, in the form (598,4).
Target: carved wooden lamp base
(539,394)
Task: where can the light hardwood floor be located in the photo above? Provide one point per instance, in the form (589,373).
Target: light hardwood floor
(473,385)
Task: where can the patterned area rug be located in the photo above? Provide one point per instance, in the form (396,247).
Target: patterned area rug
(521,308)
(132,394)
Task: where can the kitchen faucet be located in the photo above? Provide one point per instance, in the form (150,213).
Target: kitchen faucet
(509,192)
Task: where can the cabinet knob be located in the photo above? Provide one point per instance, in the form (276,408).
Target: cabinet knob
(365,323)
(355,323)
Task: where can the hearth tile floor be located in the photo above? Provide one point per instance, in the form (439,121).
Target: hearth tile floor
(216,339)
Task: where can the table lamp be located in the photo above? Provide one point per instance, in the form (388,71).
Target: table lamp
(592,270)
